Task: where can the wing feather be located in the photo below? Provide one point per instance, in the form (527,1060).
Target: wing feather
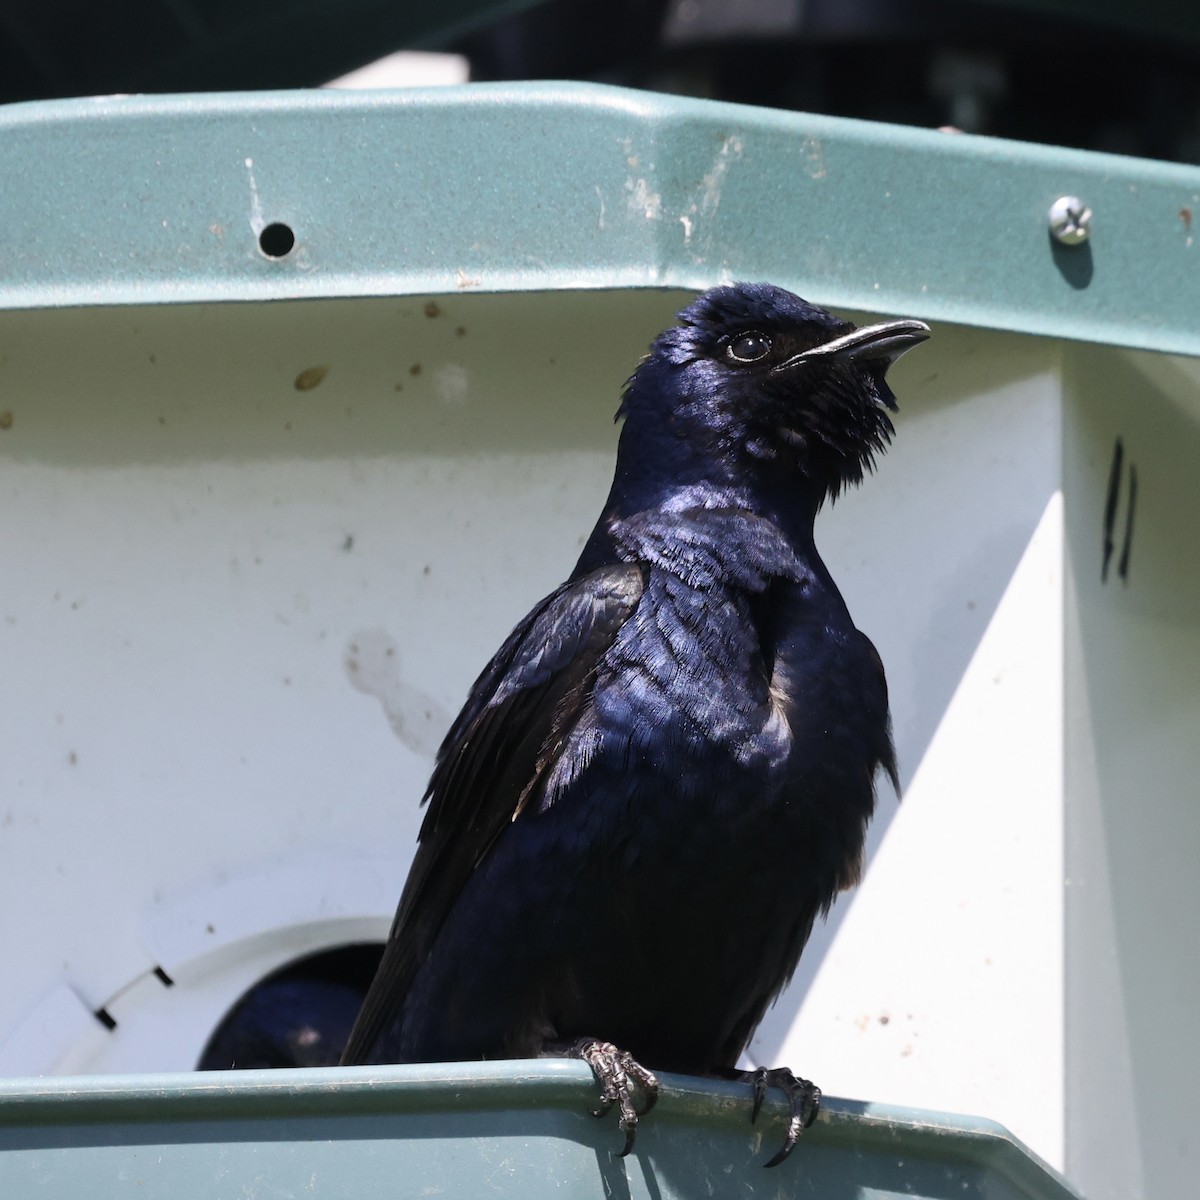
(504,745)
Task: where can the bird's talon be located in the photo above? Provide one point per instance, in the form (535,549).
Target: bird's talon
(759,1083)
(811,1100)
(619,1074)
(645,1079)
(804,1099)
(789,1143)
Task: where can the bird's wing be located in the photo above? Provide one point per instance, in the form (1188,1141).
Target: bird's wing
(885,751)
(510,735)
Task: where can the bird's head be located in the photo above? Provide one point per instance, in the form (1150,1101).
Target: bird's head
(757,382)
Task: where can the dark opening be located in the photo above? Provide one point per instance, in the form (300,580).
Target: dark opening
(298,1016)
(276,240)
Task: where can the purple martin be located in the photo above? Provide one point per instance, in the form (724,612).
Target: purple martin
(666,772)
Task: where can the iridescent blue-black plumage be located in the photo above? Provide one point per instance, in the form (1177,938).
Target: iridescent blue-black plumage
(666,772)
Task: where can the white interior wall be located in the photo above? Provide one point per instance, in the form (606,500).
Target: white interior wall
(225,629)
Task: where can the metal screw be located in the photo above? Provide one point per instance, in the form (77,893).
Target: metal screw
(1070,221)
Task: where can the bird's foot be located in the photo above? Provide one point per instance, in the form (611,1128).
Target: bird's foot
(803,1096)
(620,1077)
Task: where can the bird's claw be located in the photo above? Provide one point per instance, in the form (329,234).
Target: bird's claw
(619,1075)
(803,1095)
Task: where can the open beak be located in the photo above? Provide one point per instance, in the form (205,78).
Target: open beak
(872,343)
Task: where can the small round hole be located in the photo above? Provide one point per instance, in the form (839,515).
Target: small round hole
(276,240)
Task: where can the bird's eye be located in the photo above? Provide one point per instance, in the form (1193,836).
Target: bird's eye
(749,347)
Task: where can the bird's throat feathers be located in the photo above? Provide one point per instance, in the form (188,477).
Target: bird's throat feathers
(689,424)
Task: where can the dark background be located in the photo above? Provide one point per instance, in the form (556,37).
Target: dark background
(1112,76)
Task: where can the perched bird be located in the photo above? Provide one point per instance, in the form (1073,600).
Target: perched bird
(666,772)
